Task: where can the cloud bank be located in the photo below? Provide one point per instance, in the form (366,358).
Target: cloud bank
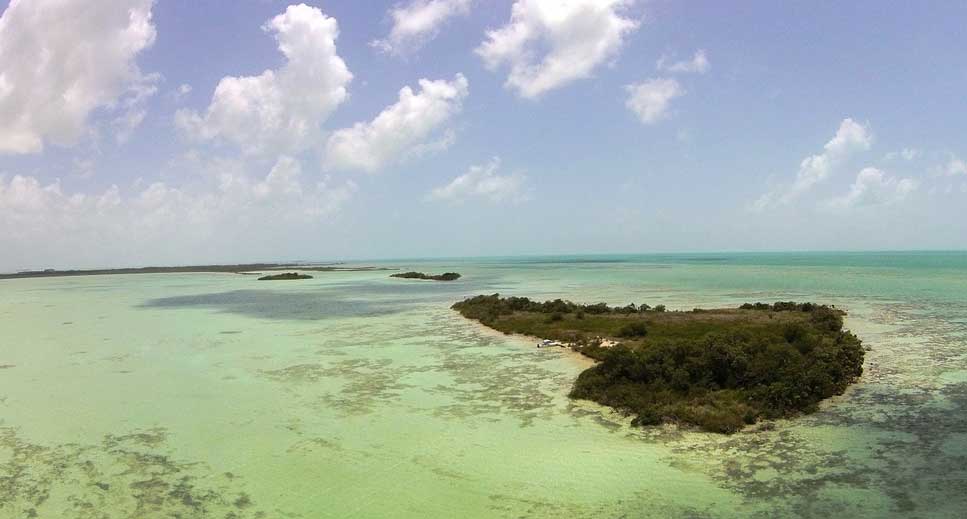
(44,225)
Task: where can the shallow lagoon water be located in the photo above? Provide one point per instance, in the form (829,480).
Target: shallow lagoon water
(356,395)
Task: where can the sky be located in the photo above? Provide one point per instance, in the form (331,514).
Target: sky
(135,132)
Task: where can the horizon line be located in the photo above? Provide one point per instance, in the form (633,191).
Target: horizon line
(333,261)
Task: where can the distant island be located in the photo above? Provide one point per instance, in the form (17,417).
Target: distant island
(719,370)
(285,276)
(446,276)
(231,269)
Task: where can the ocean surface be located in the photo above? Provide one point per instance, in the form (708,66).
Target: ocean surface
(357,395)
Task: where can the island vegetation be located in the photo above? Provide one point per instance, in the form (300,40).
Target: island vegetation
(446,276)
(719,370)
(285,276)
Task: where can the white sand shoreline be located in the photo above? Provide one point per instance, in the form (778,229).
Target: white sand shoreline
(571,354)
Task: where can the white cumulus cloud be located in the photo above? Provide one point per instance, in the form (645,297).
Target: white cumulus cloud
(550,43)
(402,129)
(956,166)
(62,59)
(134,107)
(699,64)
(851,137)
(279,110)
(418,22)
(651,99)
(874,187)
(905,154)
(483,182)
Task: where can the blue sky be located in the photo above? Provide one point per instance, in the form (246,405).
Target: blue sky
(144,132)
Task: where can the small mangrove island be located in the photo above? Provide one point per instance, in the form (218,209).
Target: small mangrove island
(718,370)
(446,276)
(285,276)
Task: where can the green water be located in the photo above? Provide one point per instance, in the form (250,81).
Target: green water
(356,395)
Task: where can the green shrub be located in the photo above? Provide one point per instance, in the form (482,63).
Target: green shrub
(635,329)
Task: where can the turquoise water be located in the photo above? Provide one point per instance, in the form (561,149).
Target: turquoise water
(356,395)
